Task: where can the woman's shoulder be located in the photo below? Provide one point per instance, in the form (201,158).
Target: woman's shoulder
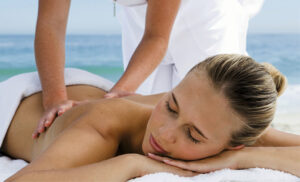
(118,115)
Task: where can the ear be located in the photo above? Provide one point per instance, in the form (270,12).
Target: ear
(236,147)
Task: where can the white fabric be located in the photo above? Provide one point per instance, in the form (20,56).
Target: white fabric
(9,167)
(130,2)
(202,28)
(252,7)
(224,175)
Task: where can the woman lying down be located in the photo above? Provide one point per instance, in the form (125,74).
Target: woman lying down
(217,117)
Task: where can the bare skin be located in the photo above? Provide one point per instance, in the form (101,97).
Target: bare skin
(85,143)
(50,53)
(18,142)
(100,139)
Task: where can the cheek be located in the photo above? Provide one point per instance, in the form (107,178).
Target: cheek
(191,151)
(156,120)
(158,116)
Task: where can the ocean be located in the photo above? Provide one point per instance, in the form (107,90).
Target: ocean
(102,55)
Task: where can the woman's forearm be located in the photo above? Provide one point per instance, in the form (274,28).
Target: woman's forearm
(121,168)
(279,158)
(275,138)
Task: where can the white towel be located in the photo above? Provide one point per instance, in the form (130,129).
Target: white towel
(9,167)
(224,175)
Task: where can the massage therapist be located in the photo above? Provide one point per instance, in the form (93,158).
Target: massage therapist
(161,41)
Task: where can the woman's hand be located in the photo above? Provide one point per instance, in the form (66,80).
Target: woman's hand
(51,113)
(226,159)
(145,165)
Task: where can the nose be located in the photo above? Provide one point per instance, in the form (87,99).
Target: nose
(167,133)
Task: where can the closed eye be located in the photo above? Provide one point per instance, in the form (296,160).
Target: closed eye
(169,108)
(188,132)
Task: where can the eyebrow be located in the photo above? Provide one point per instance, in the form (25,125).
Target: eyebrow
(198,131)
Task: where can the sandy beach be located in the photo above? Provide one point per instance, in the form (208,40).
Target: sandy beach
(287,117)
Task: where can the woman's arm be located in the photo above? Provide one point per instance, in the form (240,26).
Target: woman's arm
(160,17)
(115,169)
(275,150)
(120,168)
(276,138)
(278,158)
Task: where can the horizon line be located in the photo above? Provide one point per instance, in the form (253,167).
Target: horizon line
(119,34)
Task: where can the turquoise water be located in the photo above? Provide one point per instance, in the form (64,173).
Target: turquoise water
(101,54)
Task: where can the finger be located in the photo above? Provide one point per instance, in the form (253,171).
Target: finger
(190,173)
(35,134)
(76,103)
(185,173)
(191,166)
(179,164)
(41,127)
(175,163)
(60,111)
(157,157)
(50,118)
(110,95)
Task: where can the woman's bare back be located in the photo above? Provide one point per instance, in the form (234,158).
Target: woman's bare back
(85,134)
(18,142)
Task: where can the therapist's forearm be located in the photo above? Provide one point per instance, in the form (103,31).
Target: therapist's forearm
(145,59)
(50,49)
(50,60)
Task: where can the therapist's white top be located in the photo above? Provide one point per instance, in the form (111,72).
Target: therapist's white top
(202,28)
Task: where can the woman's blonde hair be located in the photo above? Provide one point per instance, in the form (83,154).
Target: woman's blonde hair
(251,89)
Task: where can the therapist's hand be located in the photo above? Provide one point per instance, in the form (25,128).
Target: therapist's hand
(115,93)
(51,113)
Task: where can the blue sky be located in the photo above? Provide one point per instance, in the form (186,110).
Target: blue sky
(96,17)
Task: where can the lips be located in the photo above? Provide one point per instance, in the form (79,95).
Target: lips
(156,146)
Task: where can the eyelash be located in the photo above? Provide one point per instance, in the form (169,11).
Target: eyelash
(169,108)
(188,131)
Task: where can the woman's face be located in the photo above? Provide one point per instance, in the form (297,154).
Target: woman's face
(192,121)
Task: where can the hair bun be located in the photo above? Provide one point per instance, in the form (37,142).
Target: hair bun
(278,78)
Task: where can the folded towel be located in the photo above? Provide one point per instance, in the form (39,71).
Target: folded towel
(224,175)
(9,167)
